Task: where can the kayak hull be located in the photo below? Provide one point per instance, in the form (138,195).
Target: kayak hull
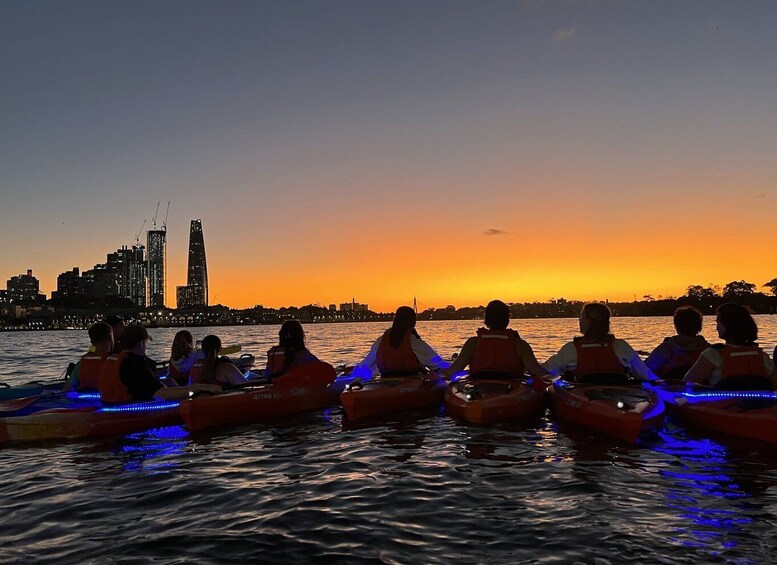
(306,387)
(747,414)
(488,401)
(31,389)
(388,395)
(256,404)
(621,411)
(87,421)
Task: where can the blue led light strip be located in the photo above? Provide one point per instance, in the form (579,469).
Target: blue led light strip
(142,407)
(730,394)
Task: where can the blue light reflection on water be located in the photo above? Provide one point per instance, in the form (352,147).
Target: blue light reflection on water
(703,493)
(144,448)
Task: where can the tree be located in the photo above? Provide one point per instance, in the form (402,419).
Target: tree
(738,289)
(699,292)
(773,285)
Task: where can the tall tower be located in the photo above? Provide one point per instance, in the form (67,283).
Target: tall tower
(157,266)
(197,279)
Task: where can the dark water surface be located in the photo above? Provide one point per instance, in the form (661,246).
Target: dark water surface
(420,488)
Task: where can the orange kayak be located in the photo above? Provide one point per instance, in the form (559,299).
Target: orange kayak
(387,395)
(87,419)
(623,411)
(307,387)
(747,414)
(486,401)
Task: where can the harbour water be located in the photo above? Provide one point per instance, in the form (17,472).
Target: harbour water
(416,488)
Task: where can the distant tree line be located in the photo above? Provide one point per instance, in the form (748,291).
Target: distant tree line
(706,299)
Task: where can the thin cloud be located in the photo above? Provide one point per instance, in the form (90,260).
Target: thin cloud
(759,196)
(563,35)
(494,231)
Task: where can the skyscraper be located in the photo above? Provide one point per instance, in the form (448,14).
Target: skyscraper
(157,266)
(129,268)
(195,293)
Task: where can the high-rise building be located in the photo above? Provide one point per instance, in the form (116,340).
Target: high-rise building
(195,293)
(69,285)
(129,267)
(157,266)
(23,287)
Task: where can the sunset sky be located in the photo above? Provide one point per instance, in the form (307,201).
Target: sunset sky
(453,151)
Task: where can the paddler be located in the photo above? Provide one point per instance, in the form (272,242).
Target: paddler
(400,350)
(291,350)
(673,358)
(213,368)
(496,351)
(739,363)
(130,375)
(86,374)
(597,351)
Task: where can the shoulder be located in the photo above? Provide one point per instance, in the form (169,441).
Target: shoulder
(713,355)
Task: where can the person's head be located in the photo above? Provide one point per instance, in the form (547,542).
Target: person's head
(211,345)
(101,336)
(497,315)
(291,335)
(183,344)
(735,324)
(134,338)
(404,321)
(687,321)
(595,320)
(118,325)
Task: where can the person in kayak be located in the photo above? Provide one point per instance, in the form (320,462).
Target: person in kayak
(673,358)
(86,374)
(496,351)
(739,362)
(118,325)
(182,357)
(597,351)
(130,375)
(214,368)
(291,350)
(400,350)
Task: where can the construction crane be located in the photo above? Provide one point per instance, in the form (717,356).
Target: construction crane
(164,224)
(137,235)
(153,220)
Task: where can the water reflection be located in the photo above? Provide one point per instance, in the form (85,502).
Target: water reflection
(152,450)
(706,492)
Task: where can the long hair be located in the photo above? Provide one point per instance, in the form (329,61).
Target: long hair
(739,326)
(599,314)
(211,345)
(291,338)
(183,343)
(404,321)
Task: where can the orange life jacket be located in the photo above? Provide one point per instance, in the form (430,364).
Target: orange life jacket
(276,360)
(181,377)
(401,358)
(495,353)
(681,358)
(194,372)
(89,369)
(740,361)
(313,373)
(596,357)
(110,386)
